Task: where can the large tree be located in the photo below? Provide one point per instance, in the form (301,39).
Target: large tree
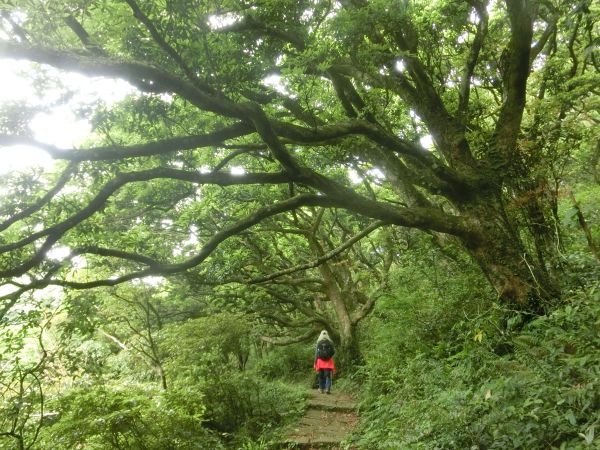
(358,85)
(315,269)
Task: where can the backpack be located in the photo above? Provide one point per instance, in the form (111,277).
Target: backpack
(325,349)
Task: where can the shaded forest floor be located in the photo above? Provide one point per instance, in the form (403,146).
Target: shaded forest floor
(327,422)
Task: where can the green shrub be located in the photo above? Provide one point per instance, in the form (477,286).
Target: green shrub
(292,361)
(100,417)
(244,402)
(544,392)
(205,353)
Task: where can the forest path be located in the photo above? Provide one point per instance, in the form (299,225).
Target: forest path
(327,421)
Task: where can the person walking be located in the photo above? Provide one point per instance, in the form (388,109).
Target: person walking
(324,364)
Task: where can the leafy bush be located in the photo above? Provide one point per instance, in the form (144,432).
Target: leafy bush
(206,353)
(542,393)
(211,400)
(244,402)
(219,340)
(292,361)
(100,417)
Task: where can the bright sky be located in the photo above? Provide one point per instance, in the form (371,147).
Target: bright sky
(59,125)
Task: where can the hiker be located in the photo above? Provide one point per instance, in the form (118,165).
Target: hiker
(324,364)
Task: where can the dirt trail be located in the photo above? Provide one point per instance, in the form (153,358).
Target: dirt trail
(327,422)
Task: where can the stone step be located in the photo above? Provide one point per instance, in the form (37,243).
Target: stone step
(328,420)
(331,402)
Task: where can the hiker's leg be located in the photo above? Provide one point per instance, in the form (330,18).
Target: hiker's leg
(327,379)
(322,379)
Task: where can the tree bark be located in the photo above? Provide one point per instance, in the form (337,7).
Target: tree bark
(584,226)
(520,281)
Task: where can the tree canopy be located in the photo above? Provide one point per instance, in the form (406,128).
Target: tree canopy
(323,105)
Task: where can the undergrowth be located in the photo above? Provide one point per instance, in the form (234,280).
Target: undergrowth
(488,386)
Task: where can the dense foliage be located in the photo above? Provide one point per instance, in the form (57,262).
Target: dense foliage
(419,178)
(481,377)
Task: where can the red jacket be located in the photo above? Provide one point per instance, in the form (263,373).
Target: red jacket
(324,364)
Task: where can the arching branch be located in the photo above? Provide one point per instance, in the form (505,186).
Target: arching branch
(83,36)
(66,175)
(164,45)
(238,152)
(117,152)
(165,269)
(16,28)
(144,76)
(327,256)
(283,341)
(114,253)
(150,78)
(249,23)
(465,85)
(55,232)
(514,78)
(541,43)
